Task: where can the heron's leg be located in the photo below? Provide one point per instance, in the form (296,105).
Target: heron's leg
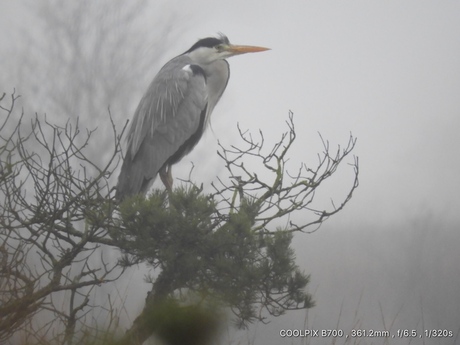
(166,177)
(170,178)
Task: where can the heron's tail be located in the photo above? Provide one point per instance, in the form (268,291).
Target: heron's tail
(132,180)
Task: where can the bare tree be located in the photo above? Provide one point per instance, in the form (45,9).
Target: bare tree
(49,233)
(222,249)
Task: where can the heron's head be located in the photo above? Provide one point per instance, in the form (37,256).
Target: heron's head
(211,49)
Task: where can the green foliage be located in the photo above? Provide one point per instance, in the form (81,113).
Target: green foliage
(218,255)
(177,324)
(160,234)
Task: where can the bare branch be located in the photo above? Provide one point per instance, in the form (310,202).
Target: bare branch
(54,219)
(282,194)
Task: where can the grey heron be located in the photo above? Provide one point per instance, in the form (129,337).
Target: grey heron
(174,112)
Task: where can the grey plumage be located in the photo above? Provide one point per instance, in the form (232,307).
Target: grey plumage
(172,115)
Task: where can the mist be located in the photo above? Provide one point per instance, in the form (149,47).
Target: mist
(387,72)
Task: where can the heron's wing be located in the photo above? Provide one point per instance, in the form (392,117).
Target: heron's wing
(173,84)
(168,115)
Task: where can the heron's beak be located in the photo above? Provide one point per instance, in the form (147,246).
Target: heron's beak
(235,50)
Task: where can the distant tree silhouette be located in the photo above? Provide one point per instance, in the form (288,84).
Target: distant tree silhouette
(92,55)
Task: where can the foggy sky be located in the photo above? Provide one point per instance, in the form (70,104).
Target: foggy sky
(386,71)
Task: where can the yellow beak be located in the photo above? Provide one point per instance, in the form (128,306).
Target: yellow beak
(235,49)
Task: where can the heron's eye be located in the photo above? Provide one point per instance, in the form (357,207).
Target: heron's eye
(219,47)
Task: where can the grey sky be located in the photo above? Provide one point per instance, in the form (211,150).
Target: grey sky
(387,71)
